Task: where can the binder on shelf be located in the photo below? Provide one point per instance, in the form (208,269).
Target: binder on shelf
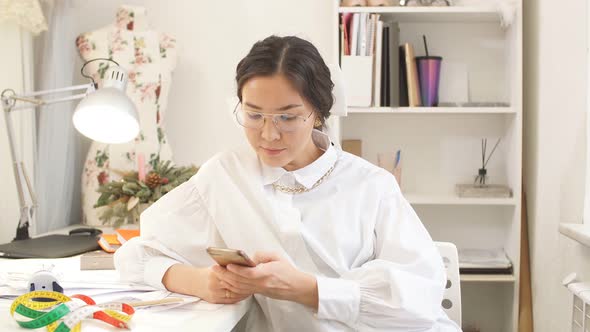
(346,27)
(403,81)
(341,41)
(393,63)
(362,35)
(354,34)
(412,76)
(385,95)
(371,33)
(377,68)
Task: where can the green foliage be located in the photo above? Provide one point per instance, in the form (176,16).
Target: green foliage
(118,196)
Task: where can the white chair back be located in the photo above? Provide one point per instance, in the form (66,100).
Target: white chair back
(452,298)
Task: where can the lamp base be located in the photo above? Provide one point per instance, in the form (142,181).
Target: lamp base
(50,246)
(22,232)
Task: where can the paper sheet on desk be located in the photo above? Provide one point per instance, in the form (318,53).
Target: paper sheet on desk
(17,273)
(15,276)
(190,303)
(102,285)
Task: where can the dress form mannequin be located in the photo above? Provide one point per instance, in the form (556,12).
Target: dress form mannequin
(149,58)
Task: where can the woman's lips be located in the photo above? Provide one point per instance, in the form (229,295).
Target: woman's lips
(272,152)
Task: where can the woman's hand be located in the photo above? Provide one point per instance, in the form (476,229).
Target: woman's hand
(273,276)
(215,292)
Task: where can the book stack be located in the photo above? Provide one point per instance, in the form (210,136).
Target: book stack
(377,70)
(109,242)
(369,59)
(484,261)
(103,259)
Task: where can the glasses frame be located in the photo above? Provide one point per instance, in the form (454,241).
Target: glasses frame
(274,121)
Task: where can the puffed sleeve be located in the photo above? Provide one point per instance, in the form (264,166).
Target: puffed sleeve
(175,229)
(401,288)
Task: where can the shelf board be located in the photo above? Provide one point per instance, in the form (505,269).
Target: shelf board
(487,278)
(422,199)
(431,110)
(431,14)
(578,232)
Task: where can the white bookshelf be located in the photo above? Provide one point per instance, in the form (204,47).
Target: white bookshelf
(441,145)
(431,110)
(488,278)
(450,199)
(429,14)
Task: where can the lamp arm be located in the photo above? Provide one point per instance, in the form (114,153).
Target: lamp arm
(9,100)
(27,209)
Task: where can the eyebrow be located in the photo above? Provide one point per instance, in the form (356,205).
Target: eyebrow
(284,108)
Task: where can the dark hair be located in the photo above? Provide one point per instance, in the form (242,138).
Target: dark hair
(299,61)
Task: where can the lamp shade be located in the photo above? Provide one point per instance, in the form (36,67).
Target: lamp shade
(108,115)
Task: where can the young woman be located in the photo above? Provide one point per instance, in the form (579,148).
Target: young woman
(336,245)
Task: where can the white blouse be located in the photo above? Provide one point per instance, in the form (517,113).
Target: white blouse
(376,266)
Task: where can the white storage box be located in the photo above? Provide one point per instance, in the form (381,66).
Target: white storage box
(357,72)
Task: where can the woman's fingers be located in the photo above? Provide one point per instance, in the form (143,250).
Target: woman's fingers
(238,289)
(226,296)
(214,283)
(230,277)
(219,292)
(266,257)
(237,284)
(245,272)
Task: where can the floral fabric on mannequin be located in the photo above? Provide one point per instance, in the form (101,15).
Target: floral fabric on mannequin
(149,58)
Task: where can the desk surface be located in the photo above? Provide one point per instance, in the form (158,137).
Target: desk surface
(210,318)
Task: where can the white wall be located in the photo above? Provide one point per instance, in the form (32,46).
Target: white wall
(11,66)
(16,74)
(555,114)
(213,36)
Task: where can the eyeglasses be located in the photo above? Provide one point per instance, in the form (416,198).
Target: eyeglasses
(284,122)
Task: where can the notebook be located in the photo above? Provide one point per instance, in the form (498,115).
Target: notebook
(124,235)
(109,242)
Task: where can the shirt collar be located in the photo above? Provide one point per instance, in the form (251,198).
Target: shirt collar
(310,174)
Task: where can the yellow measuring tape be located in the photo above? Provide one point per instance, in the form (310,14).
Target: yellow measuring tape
(60,313)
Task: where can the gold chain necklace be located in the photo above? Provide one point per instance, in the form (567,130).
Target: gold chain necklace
(301,189)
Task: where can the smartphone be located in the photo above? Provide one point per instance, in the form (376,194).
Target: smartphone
(224,256)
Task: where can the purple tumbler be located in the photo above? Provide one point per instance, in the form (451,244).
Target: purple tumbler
(429,76)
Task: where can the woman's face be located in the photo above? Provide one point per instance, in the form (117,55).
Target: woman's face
(276,148)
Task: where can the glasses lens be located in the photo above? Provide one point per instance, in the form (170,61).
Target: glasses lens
(288,122)
(254,120)
(249,119)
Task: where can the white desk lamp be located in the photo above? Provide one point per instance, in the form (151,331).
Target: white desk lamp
(105,115)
